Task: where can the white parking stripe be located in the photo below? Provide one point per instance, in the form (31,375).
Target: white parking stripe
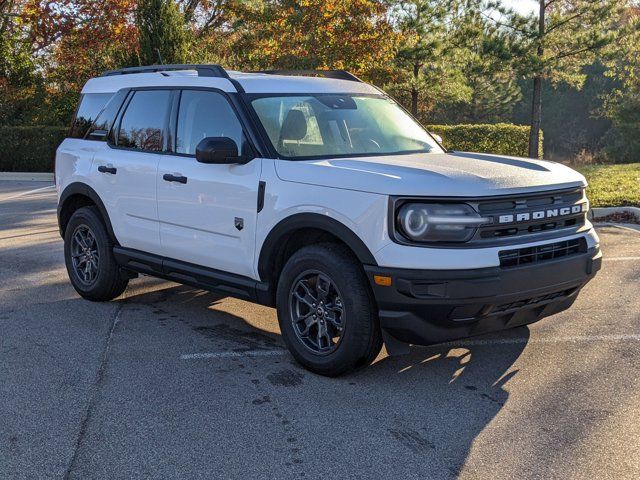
(621,259)
(22,194)
(519,340)
(250,353)
(633,337)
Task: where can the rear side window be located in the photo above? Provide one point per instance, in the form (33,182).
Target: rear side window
(100,128)
(91,104)
(143,123)
(206,114)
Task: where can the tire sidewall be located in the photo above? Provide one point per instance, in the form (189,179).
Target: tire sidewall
(341,273)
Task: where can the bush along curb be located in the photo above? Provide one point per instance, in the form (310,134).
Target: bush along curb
(615,215)
(29,149)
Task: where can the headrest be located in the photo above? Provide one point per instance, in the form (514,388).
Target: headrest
(294,126)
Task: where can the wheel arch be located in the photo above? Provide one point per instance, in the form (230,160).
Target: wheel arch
(278,238)
(77,195)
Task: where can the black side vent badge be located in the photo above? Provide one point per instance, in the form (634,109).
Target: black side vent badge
(239,223)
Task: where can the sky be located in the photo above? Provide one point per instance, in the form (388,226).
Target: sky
(522,6)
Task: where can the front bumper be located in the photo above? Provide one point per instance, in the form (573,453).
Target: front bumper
(433,306)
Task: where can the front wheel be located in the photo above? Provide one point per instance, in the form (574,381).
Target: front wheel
(326,312)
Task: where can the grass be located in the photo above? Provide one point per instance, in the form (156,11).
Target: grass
(613,185)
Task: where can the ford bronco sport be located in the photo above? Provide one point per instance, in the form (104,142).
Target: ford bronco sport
(317,194)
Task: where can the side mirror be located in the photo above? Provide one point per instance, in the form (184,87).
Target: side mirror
(221,150)
(437,137)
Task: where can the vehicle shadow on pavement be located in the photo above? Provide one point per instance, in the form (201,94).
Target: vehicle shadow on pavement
(446,395)
(430,405)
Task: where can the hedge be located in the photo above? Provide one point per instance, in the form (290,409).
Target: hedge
(499,138)
(29,149)
(32,149)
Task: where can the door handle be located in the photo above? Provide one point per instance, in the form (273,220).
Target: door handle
(105,169)
(168,177)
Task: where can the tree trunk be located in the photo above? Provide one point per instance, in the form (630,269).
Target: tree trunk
(414,102)
(536,108)
(414,90)
(536,119)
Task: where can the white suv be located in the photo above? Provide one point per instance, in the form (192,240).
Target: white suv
(318,194)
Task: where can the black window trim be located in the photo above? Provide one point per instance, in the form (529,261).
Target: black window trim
(123,102)
(113,139)
(75,116)
(246,130)
(77,109)
(257,144)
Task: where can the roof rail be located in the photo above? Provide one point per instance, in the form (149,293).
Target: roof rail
(336,74)
(202,69)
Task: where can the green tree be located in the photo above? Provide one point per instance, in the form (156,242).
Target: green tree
(486,53)
(429,58)
(622,105)
(163,34)
(558,42)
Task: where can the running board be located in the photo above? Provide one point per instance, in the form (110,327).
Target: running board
(194,275)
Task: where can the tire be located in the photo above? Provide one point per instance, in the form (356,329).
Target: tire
(104,281)
(349,304)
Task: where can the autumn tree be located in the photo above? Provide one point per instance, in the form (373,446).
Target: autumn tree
(316,34)
(558,42)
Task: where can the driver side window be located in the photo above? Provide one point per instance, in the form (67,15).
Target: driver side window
(206,114)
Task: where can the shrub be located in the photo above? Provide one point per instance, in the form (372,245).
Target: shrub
(29,149)
(501,138)
(32,149)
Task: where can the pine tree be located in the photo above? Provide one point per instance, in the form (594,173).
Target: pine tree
(164,37)
(558,42)
(429,60)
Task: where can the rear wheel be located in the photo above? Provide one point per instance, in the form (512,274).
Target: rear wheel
(88,253)
(326,311)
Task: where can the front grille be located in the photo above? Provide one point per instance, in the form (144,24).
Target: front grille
(540,213)
(542,253)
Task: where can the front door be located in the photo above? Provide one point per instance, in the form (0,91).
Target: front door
(207,212)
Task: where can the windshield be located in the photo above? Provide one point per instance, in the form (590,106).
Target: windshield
(309,126)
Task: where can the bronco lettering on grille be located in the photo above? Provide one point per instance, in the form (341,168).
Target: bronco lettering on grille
(541,214)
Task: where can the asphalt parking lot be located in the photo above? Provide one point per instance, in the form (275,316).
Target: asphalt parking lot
(172,382)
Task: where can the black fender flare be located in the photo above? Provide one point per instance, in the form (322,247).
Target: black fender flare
(318,221)
(79,188)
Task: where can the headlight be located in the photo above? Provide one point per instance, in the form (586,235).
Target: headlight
(431,222)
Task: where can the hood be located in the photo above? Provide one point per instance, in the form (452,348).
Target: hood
(439,175)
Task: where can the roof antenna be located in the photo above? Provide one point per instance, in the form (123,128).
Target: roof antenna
(161,62)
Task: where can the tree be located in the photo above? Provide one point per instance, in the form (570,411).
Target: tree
(558,42)
(163,34)
(622,105)
(486,62)
(428,60)
(316,34)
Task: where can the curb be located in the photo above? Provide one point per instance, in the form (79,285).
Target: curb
(26,176)
(596,214)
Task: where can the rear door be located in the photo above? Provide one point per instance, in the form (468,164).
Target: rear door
(125,169)
(208,218)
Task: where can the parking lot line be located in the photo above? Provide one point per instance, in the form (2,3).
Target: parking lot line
(625,337)
(22,194)
(249,353)
(629,337)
